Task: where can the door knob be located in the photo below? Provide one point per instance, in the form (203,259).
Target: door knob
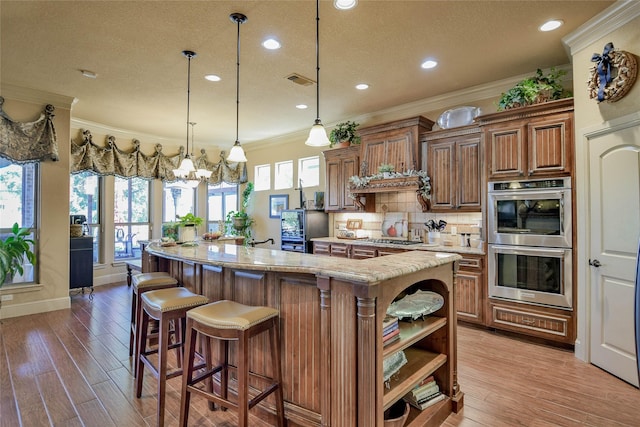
(595,263)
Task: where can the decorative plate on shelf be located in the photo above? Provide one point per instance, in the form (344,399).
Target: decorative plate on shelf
(460,116)
(414,306)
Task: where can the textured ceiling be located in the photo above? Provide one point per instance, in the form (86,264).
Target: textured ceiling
(135,48)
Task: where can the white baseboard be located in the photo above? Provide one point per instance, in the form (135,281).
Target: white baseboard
(15,310)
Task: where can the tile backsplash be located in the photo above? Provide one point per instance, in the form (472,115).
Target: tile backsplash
(468,222)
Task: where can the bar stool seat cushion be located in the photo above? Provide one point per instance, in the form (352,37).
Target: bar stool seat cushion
(144,280)
(231,315)
(171,299)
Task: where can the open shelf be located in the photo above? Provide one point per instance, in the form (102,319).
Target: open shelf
(411,332)
(420,364)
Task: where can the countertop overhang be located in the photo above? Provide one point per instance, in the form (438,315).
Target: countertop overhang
(372,270)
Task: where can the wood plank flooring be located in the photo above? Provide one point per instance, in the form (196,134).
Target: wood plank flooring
(72,368)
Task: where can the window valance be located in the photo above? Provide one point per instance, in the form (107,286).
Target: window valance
(111,160)
(28,142)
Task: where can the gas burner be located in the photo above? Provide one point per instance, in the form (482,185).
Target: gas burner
(393,242)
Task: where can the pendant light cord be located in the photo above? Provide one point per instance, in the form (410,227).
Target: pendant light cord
(317,61)
(189,55)
(238,80)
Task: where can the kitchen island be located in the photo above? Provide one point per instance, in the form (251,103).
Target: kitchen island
(331,315)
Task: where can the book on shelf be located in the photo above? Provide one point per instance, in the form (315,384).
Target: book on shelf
(422,392)
(391,340)
(390,335)
(390,329)
(424,404)
(425,381)
(389,321)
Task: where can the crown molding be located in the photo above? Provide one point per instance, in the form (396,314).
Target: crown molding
(609,20)
(36,96)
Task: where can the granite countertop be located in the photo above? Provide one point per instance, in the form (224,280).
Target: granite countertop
(414,247)
(367,270)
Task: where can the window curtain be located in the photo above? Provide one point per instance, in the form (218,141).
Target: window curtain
(28,142)
(111,160)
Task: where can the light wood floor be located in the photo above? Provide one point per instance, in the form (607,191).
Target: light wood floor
(72,368)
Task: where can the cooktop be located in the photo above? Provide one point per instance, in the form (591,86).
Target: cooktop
(393,241)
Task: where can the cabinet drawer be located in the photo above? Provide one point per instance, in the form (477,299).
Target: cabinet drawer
(552,326)
(321,248)
(363,253)
(469,263)
(339,250)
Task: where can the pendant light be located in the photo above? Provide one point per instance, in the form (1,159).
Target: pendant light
(317,135)
(237,153)
(200,173)
(186,165)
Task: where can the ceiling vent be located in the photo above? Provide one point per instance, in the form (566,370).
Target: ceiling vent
(300,80)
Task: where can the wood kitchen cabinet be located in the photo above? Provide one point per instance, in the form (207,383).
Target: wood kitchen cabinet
(340,250)
(453,162)
(341,164)
(395,143)
(530,142)
(470,293)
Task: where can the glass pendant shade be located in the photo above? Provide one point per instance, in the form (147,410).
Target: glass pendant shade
(203,173)
(237,154)
(186,166)
(317,136)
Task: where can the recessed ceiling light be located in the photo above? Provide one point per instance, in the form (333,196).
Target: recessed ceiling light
(551,25)
(362,86)
(429,63)
(271,44)
(89,74)
(212,78)
(301,106)
(345,4)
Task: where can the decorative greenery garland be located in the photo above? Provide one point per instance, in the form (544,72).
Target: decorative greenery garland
(360,182)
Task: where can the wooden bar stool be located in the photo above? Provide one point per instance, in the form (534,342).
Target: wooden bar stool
(231,321)
(166,306)
(142,283)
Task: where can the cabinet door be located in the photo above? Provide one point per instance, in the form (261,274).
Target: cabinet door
(550,146)
(442,172)
(506,151)
(349,168)
(397,147)
(468,179)
(469,296)
(332,197)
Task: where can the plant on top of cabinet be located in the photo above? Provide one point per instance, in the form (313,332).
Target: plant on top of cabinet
(534,90)
(344,134)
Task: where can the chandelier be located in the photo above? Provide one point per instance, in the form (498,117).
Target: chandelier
(187,172)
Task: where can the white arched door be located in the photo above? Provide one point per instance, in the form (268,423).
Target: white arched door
(614,226)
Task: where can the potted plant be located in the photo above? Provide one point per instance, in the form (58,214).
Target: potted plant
(239,222)
(344,134)
(386,169)
(13,251)
(187,226)
(535,89)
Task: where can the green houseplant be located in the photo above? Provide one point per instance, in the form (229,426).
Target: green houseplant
(535,89)
(13,251)
(344,134)
(187,226)
(239,222)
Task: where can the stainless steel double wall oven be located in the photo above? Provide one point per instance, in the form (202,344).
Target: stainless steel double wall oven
(530,241)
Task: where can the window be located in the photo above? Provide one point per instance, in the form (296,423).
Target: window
(283,175)
(262,180)
(221,199)
(178,200)
(309,171)
(18,204)
(131,216)
(84,199)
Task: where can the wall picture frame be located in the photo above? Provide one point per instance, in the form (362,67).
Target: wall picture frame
(278,203)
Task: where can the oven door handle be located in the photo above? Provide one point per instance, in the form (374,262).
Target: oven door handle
(562,213)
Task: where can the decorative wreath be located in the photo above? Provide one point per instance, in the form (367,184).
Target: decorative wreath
(614,74)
